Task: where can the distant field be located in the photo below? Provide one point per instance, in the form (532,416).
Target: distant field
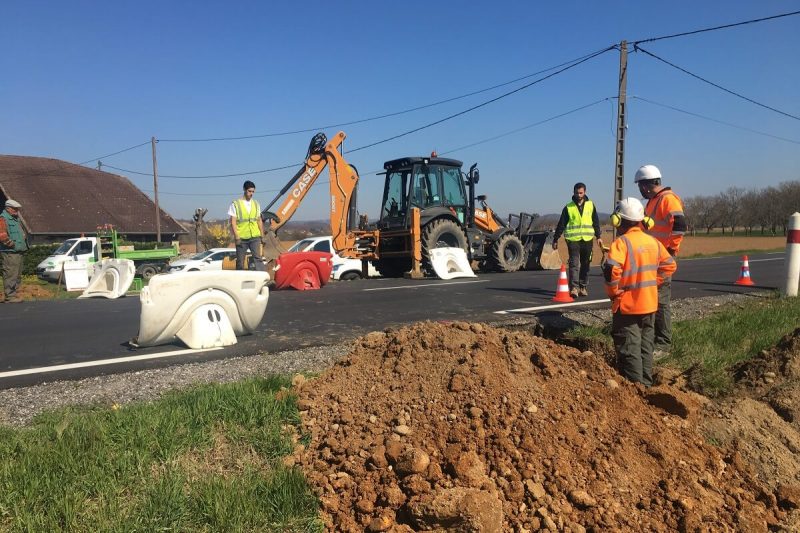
(702,245)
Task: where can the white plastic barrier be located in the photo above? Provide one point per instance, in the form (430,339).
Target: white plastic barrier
(449,263)
(203,309)
(76,278)
(792,256)
(111,278)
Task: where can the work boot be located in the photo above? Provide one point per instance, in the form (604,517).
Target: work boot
(660,354)
(573,293)
(13,300)
(583,292)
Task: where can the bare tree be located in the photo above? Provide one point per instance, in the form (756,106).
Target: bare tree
(749,210)
(700,211)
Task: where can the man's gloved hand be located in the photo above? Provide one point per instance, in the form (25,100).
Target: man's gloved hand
(555,245)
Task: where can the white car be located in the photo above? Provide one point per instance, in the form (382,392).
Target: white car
(208,260)
(343,269)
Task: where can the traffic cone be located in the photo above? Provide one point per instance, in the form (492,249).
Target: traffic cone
(562,292)
(744,276)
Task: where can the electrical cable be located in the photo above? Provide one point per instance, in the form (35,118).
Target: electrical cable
(284,167)
(506,134)
(683,34)
(639,48)
(387,115)
(473,108)
(115,153)
(715,120)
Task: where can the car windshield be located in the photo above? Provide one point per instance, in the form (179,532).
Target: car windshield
(301,245)
(202,255)
(64,248)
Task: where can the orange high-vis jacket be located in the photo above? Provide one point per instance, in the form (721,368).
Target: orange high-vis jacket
(636,265)
(663,208)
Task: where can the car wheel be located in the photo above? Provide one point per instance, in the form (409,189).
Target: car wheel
(350,276)
(194,270)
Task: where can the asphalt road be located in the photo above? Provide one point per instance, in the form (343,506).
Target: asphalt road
(49,340)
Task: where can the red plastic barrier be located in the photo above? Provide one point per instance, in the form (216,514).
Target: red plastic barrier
(303,270)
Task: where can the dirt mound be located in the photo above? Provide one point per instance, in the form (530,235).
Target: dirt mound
(464,427)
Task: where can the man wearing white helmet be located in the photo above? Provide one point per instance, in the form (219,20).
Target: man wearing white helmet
(635,266)
(669,226)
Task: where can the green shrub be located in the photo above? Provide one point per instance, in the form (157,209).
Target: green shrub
(36,255)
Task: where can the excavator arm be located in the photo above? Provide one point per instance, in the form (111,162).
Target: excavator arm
(343,182)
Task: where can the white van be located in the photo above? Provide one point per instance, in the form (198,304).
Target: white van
(82,249)
(343,269)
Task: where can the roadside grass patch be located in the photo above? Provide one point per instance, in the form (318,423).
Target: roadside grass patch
(204,459)
(735,252)
(707,349)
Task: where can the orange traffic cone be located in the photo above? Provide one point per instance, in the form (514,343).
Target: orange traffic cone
(562,292)
(744,276)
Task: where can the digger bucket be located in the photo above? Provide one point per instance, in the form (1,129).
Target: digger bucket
(303,271)
(539,249)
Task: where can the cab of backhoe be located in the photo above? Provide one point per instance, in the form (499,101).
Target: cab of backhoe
(432,184)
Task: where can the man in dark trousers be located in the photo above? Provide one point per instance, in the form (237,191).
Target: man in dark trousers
(13,245)
(580,225)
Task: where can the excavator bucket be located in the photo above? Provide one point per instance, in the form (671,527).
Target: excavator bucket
(538,244)
(272,247)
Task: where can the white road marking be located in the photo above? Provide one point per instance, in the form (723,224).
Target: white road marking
(760,260)
(100,362)
(426,285)
(553,306)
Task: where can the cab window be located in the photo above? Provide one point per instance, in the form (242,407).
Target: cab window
(322,246)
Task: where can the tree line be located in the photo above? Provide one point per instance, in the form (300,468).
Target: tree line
(764,210)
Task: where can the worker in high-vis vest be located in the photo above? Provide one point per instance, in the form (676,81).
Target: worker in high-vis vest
(247,226)
(636,264)
(665,208)
(580,225)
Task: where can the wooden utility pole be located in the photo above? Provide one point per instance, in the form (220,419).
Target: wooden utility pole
(155,189)
(619,164)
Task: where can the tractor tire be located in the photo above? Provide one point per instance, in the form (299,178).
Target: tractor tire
(394,267)
(441,233)
(148,271)
(507,254)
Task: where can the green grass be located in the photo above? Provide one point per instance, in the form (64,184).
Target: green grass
(708,348)
(207,459)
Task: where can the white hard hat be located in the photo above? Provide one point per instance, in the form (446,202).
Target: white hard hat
(647,172)
(630,209)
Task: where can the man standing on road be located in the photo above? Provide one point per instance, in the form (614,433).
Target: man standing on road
(246,224)
(580,225)
(665,208)
(13,245)
(635,265)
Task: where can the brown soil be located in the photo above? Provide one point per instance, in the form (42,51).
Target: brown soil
(762,420)
(465,427)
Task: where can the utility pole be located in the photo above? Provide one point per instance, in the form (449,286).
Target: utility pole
(619,164)
(155,189)
(199,213)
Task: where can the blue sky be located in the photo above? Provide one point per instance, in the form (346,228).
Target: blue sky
(84,79)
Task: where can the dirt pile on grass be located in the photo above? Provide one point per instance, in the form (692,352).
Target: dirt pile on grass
(464,427)
(762,420)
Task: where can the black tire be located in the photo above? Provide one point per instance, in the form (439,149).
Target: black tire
(507,254)
(350,276)
(441,233)
(148,271)
(193,270)
(393,267)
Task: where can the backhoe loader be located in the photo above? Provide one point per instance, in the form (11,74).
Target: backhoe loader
(428,202)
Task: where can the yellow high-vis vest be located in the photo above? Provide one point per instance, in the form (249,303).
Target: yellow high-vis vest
(247,223)
(579,228)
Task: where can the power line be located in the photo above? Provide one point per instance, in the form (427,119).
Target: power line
(517,130)
(752,21)
(639,48)
(386,115)
(294,165)
(115,153)
(473,108)
(716,120)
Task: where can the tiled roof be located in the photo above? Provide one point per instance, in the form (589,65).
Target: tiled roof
(58,197)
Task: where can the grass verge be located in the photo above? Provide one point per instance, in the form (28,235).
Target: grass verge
(206,459)
(736,252)
(707,349)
